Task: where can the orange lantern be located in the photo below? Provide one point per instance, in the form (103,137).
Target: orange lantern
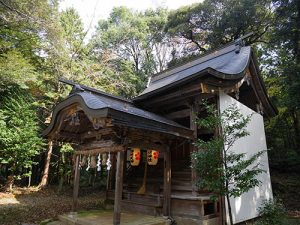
(152,157)
(135,156)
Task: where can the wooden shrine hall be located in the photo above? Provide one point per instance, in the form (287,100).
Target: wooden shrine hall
(145,143)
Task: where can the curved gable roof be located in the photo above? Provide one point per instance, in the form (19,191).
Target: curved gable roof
(226,63)
(122,112)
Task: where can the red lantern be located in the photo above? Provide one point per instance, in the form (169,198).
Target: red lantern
(152,157)
(135,156)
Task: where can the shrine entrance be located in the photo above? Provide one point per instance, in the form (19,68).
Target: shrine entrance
(131,144)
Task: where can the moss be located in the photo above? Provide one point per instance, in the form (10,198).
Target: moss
(47,221)
(92,212)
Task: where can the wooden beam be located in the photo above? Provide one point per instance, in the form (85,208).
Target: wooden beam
(174,95)
(118,188)
(146,136)
(76,184)
(147,145)
(178,114)
(92,134)
(114,148)
(96,144)
(167,183)
(166,106)
(68,135)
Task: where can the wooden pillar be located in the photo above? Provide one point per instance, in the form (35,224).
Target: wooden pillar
(112,172)
(193,126)
(76,183)
(222,201)
(167,183)
(118,188)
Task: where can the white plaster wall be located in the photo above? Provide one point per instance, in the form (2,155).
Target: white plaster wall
(246,206)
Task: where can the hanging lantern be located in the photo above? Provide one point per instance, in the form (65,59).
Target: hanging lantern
(152,157)
(135,156)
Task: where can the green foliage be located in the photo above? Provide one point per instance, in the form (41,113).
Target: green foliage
(39,44)
(272,212)
(66,148)
(281,60)
(19,132)
(220,170)
(136,37)
(15,69)
(213,23)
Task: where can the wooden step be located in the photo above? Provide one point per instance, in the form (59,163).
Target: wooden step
(181,188)
(137,207)
(144,203)
(182,178)
(181,171)
(146,199)
(176,181)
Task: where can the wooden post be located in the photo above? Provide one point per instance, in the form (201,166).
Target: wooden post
(76,184)
(167,183)
(193,127)
(222,204)
(118,188)
(112,172)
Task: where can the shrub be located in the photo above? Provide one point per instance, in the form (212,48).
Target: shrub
(272,212)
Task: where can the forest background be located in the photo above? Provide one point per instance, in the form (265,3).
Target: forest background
(40,44)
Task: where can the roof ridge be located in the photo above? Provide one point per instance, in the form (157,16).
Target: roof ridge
(194,63)
(94,90)
(235,42)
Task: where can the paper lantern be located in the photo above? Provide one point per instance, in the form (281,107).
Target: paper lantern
(152,157)
(135,156)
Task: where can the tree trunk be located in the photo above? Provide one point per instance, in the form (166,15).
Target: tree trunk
(44,180)
(29,181)
(296,128)
(9,183)
(61,172)
(229,210)
(8,187)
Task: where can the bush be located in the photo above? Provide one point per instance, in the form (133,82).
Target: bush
(272,212)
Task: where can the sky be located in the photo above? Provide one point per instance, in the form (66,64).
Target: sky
(92,10)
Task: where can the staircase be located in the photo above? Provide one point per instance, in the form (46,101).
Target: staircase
(181,178)
(149,203)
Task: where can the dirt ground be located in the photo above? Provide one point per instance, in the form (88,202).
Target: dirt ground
(31,206)
(27,206)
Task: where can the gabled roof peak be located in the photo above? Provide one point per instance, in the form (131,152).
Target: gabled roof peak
(227,63)
(79,88)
